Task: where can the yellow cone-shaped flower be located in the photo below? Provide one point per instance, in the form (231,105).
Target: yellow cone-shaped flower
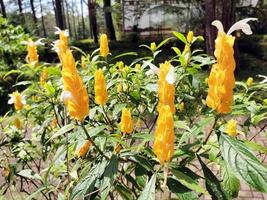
(17,99)
(126,121)
(250,81)
(181,107)
(84,149)
(32,56)
(43,77)
(101,94)
(119,88)
(74,95)
(166,91)
(231,128)
(153,46)
(164,135)
(61,45)
(17,123)
(190,36)
(221,80)
(104,49)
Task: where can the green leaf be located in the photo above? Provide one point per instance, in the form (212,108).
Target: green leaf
(243,163)
(124,192)
(230,183)
(125,54)
(182,192)
(163,42)
(109,177)
(87,185)
(49,89)
(149,191)
(180,36)
(188,181)
(28,173)
(95,131)
(255,146)
(212,183)
(177,51)
(62,131)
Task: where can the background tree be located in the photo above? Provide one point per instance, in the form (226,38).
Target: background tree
(33,12)
(92,19)
(108,20)
(59,14)
(3,9)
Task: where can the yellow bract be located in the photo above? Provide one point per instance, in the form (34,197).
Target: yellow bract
(84,149)
(181,106)
(231,128)
(164,135)
(101,94)
(126,121)
(104,49)
(166,91)
(221,80)
(43,77)
(17,100)
(17,123)
(250,81)
(32,56)
(190,36)
(153,46)
(119,88)
(76,98)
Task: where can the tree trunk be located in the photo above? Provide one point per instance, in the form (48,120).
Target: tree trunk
(42,18)
(21,11)
(3,8)
(33,12)
(92,18)
(210,33)
(68,18)
(83,24)
(73,19)
(109,21)
(59,14)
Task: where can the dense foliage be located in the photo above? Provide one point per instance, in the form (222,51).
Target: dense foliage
(99,129)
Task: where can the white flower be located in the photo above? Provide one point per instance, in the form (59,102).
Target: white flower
(13,98)
(65,96)
(55,45)
(171,76)
(264,77)
(59,31)
(32,43)
(240,25)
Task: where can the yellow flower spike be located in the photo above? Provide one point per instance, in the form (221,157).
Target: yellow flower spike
(53,123)
(83,62)
(126,121)
(137,67)
(181,107)
(75,95)
(187,54)
(153,46)
(120,65)
(250,81)
(17,123)
(163,145)
(32,56)
(231,128)
(84,149)
(101,94)
(43,77)
(62,44)
(119,88)
(166,91)
(17,99)
(190,36)
(118,148)
(104,49)
(222,80)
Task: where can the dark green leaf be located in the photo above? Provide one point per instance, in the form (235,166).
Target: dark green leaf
(109,176)
(182,192)
(243,162)
(212,183)
(125,193)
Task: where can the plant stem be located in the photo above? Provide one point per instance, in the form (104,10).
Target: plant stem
(93,143)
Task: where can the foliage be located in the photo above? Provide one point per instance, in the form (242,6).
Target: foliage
(39,144)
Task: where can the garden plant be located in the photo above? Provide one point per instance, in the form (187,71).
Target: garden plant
(93,127)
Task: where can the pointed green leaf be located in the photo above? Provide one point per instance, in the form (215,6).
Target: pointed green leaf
(149,191)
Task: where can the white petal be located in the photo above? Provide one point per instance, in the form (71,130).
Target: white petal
(24,42)
(171,76)
(58,30)
(242,25)
(218,25)
(66,33)
(153,68)
(149,72)
(39,42)
(23,99)
(65,96)
(11,100)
